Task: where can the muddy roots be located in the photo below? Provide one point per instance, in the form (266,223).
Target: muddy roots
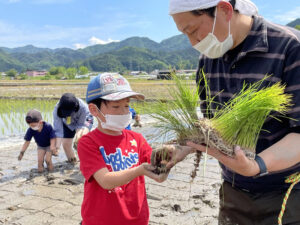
(159,158)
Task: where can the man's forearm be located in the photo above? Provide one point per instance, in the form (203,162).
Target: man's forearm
(283,154)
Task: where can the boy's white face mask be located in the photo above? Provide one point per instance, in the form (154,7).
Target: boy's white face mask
(115,122)
(36,127)
(211,47)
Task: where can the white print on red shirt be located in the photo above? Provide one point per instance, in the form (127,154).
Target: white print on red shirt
(118,161)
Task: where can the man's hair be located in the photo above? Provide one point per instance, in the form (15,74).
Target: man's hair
(210,11)
(98,102)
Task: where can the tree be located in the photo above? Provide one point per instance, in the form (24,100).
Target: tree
(71,72)
(12,73)
(83,70)
(298,27)
(46,77)
(53,71)
(23,76)
(62,70)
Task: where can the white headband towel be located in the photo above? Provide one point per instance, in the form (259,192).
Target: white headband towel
(245,7)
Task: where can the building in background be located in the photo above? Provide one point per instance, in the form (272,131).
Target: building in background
(36,73)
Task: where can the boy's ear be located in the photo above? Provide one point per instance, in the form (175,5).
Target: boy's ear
(93,109)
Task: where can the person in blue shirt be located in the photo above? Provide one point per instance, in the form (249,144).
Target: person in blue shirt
(136,117)
(71,120)
(44,136)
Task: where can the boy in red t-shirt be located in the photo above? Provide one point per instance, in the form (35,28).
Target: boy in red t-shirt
(113,160)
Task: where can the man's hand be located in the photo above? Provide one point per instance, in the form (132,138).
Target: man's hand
(81,132)
(137,122)
(20,155)
(239,163)
(78,135)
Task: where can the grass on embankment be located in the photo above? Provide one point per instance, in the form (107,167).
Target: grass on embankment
(53,89)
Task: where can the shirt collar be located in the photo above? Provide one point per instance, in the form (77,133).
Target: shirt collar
(256,40)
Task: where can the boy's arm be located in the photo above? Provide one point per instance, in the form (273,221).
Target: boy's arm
(24,148)
(109,180)
(53,146)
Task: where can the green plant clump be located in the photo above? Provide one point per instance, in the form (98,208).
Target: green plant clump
(237,122)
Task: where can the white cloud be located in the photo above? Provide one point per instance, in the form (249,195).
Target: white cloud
(95,41)
(79,46)
(50,36)
(288,16)
(16,35)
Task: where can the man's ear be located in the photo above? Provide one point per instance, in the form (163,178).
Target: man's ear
(225,8)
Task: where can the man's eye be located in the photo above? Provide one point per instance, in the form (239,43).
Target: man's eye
(193,32)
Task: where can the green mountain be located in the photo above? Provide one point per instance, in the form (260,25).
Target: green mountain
(30,49)
(138,42)
(7,62)
(178,42)
(135,53)
(132,58)
(294,23)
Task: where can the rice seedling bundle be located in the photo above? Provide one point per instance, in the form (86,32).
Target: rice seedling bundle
(237,122)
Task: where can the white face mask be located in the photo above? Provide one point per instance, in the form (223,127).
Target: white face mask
(211,47)
(35,128)
(115,122)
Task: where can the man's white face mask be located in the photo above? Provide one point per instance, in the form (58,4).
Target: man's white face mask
(115,122)
(211,47)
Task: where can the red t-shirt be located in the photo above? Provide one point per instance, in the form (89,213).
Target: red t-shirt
(127,204)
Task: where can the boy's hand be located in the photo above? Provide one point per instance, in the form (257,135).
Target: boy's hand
(54,151)
(177,153)
(20,155)
(147,170)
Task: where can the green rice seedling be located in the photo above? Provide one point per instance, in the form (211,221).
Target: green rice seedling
(13,112)
(240,121)
(237,122)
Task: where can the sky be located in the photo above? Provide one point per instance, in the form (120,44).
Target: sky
(81,23)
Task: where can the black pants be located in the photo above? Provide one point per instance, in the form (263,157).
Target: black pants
(242,208)
(68,133)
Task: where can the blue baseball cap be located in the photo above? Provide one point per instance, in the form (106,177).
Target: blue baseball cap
(111,87)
